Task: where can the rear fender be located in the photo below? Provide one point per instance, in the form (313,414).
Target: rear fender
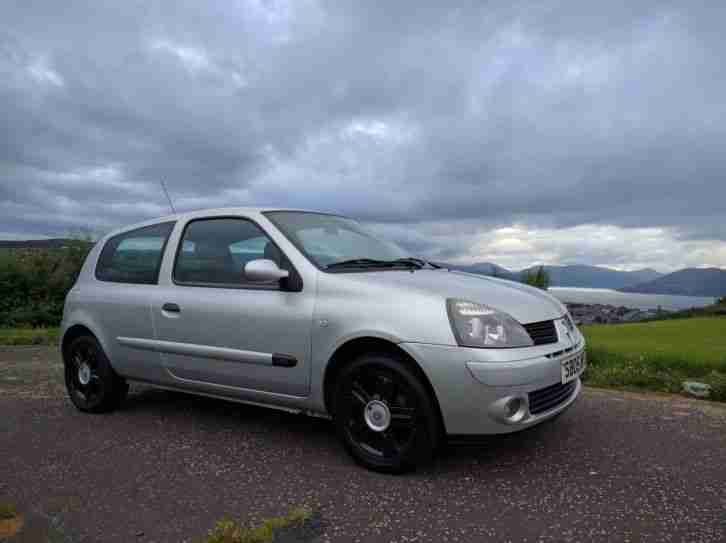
(80,317)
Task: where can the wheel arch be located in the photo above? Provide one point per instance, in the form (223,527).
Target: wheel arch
(73,332)
(80,328)
(370,344)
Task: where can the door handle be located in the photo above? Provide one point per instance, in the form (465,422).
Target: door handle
(171,308)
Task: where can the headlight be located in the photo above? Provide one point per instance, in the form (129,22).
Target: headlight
(478,325)
(569,322)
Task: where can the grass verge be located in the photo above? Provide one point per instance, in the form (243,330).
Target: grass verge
(28,336)
(229,531)
(658,355)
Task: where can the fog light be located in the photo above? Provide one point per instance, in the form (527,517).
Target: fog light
(509,410)
(512,407)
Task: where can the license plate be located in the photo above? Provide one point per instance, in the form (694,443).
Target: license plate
(573,367)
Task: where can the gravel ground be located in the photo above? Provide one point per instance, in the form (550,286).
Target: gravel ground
(616,467)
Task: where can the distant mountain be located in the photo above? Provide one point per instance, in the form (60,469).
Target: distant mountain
(646,274)
(568,276)
(579,275)
(687,282)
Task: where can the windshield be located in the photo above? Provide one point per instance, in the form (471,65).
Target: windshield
(329,239)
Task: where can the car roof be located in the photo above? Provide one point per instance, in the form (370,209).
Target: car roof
(209,212)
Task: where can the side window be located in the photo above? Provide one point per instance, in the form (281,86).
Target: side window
(134,257)
(249,249)
(213,252)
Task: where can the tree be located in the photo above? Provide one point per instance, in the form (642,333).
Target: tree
(537,278)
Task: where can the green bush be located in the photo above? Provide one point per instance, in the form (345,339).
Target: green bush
(34,283)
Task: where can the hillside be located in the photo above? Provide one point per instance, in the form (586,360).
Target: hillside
(687,282)
(52,243)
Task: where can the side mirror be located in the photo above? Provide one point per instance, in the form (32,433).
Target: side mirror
(262,270)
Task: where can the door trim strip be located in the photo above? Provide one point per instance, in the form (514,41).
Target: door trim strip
(203,351)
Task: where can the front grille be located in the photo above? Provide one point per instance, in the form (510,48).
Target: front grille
(542,332)
(547,398)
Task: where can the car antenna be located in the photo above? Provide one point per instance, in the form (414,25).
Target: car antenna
(163,186)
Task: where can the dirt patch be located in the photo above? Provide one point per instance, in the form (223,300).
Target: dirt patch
(679,404)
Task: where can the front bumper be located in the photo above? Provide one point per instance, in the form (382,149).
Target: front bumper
(473,386)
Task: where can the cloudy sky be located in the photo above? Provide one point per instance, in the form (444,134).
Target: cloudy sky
(512,132)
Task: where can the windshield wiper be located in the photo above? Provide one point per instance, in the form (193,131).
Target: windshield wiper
(409,262)
(359,263)
(419,262)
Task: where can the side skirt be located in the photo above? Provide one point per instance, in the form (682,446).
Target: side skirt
(292,410)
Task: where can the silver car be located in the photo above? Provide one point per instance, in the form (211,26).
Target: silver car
(310,313)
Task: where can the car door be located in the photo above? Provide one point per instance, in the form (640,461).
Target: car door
(216,329)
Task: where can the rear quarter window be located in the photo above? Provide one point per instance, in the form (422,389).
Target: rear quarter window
(135,256)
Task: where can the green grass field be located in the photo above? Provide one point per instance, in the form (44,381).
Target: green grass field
(659,355)
(28,336)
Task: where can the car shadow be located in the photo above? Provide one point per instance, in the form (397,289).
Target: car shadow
(284,429)
(210,413)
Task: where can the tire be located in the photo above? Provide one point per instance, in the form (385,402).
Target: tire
(384,414)
(91,383)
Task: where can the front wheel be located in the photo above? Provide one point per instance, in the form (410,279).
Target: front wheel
(384,414)
(91,383)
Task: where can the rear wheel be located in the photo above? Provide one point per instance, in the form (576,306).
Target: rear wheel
(384,414)
(91,383)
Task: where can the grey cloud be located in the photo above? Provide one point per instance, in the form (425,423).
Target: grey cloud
(474,116)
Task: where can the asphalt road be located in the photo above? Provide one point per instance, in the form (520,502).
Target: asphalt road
(616,467)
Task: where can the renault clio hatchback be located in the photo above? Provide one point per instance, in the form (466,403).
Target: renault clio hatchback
(311,313)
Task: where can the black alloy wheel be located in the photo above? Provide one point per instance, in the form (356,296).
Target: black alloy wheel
(384,414)
(91,383)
